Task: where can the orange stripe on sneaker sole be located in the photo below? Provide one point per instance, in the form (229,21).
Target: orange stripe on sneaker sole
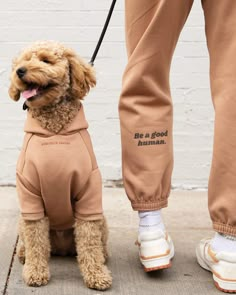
(157,268)
(223,279)
(212,255)
(156,256)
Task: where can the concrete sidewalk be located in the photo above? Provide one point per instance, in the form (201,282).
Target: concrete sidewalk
(187,220)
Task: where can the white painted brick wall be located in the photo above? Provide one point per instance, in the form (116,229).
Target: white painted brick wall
(78,23)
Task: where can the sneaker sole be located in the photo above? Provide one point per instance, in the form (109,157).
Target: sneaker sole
(227,290)
(159,262)
(224,285)
(157,267)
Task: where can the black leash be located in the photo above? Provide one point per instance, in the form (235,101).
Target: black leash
(25,107)
(103,32)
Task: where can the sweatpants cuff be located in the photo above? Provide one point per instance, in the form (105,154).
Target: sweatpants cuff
(149,206)
(224,229)
(93,217)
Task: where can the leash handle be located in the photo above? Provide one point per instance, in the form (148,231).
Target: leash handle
(103,33)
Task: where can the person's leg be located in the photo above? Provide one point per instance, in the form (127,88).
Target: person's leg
(145,108)
(220,19)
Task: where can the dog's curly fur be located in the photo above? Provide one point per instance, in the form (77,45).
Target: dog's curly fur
(64,79)
(91,247)
(64,111)
(63,76)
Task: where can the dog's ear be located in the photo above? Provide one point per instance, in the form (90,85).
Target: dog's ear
(14,92)
(82,75)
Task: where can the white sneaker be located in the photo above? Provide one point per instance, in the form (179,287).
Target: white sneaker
(221,264)
(156,250)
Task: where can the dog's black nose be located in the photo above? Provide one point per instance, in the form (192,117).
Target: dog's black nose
(21,72)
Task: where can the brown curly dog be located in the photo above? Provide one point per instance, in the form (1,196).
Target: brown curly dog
(58,182)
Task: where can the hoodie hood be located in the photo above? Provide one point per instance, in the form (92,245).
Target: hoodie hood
(79,122)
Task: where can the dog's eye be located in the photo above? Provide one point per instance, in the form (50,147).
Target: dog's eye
(46,61)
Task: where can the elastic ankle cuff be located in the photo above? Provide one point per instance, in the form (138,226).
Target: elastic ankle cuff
(150,206)
(224,229)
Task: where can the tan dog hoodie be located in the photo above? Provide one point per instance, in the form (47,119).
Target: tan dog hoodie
(57,174)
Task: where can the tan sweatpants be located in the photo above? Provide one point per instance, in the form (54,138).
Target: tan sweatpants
(152,30)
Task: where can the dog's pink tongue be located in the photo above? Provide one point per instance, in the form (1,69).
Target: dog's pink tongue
(30,93)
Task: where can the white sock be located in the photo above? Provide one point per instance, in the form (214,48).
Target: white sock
(150,221)
(225,243)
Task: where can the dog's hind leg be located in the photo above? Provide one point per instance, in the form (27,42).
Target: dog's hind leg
(90,254)
(20,250)
(37,251)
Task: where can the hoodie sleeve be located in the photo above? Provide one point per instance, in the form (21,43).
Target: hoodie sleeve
(89,201)
(31,202)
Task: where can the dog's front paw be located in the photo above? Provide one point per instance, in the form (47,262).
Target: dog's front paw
(99,279)
(36,276)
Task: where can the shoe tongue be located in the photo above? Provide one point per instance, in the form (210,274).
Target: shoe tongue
(30,93)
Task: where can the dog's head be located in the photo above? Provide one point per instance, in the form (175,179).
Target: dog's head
(46,72)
